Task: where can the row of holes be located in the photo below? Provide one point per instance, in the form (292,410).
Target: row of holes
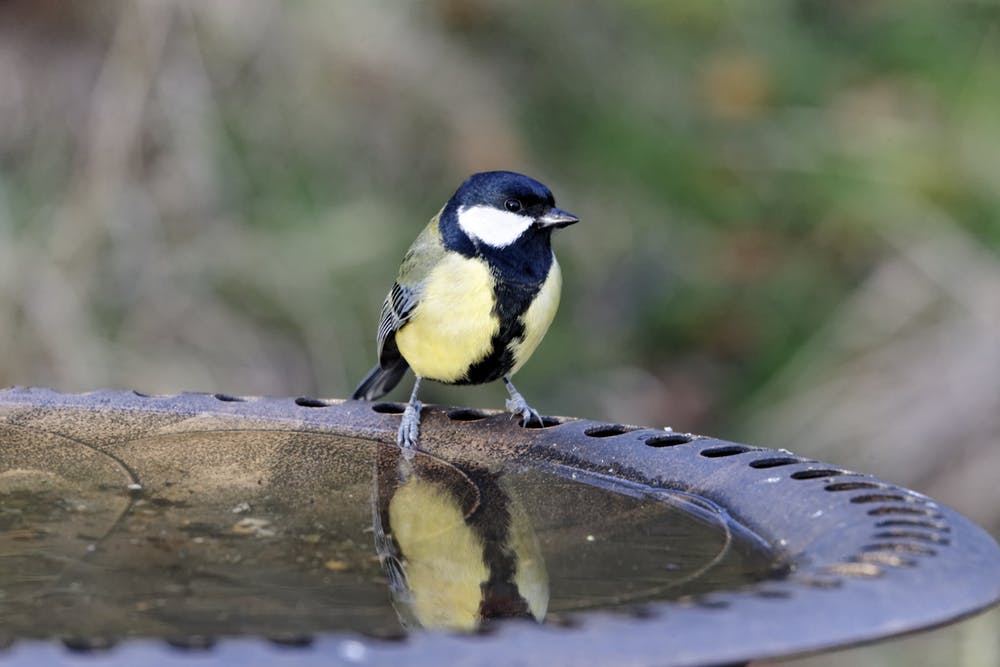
(920,526)
(303,401)
(906,522)
(192,643)
(228,398)
(471,415)
(713,601)
(600,431)
(932,520)
(875,557)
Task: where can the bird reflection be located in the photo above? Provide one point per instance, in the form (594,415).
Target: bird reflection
(456,545)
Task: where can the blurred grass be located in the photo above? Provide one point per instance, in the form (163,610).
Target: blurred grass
(791,209)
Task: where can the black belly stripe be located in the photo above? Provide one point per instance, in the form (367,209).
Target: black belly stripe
(512,301)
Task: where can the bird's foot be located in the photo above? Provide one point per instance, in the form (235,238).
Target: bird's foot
(409,429)
(517,405)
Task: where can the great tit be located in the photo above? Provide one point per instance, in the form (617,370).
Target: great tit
(457,546)
(475,294)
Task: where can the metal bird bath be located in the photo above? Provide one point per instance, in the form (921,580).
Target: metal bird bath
(229,530)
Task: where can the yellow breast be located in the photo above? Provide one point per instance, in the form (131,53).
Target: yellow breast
(539,316)
(453,325)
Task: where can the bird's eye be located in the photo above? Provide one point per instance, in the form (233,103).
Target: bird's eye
(512,205)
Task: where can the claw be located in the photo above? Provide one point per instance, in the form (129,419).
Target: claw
(528,413)
(409,427)
(517,405)
(532,416)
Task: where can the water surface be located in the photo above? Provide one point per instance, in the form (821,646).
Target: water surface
(284,534)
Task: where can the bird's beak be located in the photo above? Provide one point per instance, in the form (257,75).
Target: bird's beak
(557,218)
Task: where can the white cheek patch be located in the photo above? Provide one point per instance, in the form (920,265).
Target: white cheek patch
(492,226)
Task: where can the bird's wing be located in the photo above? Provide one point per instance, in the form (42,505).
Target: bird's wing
(426,251)
(396,311)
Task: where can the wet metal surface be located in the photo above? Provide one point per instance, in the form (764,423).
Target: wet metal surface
(290,531)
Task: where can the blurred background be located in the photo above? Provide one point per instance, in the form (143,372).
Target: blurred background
(791,212)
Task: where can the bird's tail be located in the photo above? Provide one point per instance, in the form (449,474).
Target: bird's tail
(380,381)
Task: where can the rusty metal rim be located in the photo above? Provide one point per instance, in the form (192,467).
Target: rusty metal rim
(867,559)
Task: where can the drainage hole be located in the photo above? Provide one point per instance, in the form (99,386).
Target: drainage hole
(772,594)
(705,601)
(857,569)
(641,612)
(900,547)
(886,558)
(307,402)
(881,498)
(467,415)
(142,395)
(852,486)
(546,422)
(814,474)
(820,582)
(228,399)
(915,511)
(915,523)
(608,430)
(728,450)
(192,643)
(669,439)
(87,644)
(291,641)
(389,408)
(774,462)
(713,604)
(387,634)
(562,620)
(911,535)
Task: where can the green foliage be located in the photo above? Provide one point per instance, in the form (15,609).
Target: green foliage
(731,161)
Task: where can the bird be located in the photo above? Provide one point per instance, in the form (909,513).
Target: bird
(474,296)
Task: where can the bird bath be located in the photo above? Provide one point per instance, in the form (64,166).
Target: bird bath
(292,530)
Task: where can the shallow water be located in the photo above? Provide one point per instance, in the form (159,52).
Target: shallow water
(285,534)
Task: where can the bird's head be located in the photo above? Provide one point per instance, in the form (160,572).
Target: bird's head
(499,208)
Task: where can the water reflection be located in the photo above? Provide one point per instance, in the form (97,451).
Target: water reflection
(457,547)
(283,533)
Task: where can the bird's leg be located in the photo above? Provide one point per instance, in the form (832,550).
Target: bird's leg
(409,427)
(519,406)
